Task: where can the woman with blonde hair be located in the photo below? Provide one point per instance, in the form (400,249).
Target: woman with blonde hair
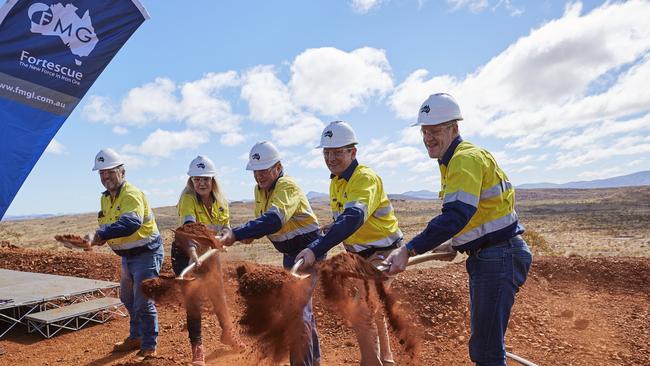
(203,201)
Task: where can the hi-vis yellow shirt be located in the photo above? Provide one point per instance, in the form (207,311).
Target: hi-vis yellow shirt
(478,202)
(365,190)
(290,204)
(192,209)
(474,177)
(131,205)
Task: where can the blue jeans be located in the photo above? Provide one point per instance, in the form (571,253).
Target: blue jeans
(310,354)
(495,275)
(143,324)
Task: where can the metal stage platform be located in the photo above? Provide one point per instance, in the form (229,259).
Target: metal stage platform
(23,295)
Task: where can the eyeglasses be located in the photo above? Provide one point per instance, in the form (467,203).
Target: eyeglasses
(201,179)
(337,154)
(264,171)
(433,131)
(109,172)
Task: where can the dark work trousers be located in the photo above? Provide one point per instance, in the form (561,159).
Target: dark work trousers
(495,275)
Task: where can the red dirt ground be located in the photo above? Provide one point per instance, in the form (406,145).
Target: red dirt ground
(572,311)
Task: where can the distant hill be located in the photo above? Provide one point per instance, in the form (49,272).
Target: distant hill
(318,197)
(312,195)
(28,217)
(630,180)
(422,194)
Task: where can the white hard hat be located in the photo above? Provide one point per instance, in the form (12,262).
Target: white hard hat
(107,159)
(337,134)
(201,166)
(262,156)
(438,108)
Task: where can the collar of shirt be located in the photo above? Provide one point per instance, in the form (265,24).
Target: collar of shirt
(107,193)
(347,173)
(200,200)
(450,151)
(276,181)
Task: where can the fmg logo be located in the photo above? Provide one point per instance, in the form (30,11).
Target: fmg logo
(77,33)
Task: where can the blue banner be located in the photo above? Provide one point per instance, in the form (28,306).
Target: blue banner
(51,52)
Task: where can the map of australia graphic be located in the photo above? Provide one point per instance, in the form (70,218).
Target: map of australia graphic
(77,33)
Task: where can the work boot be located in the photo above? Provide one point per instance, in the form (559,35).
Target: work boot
(198,354)
(128,344)
(144,354)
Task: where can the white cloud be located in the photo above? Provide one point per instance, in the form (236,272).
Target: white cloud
(576,83)
(330,81)
(504,159)
(268,98)
(202,108)
(474,6)
(477,6)
(524,168)
(312,159)
(270,102)
(161,193)
(163,143)
(379,153)
(98,109)
(408,96)
(601,132)
(510,8)
(232,138)
(303,130)
(151,102)
(364,6)
(119,130)
(425,167)
(55,148)
(196,103)
(131,161)
(600,173)
(625,146)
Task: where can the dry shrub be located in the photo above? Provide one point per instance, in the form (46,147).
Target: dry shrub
(537,242)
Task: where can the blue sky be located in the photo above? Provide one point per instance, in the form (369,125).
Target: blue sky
(558,91)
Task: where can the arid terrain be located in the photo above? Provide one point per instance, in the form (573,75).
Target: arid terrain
(586,302)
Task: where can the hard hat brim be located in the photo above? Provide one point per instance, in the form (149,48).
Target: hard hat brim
(260,166)
(436,123)
(109,166)
(211,175)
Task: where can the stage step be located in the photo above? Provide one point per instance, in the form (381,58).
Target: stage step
(73,316)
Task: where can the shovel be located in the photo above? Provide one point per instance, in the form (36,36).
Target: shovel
(192,265)
(445,256)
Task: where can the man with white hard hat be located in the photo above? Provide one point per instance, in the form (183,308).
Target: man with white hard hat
(126,223)
(285,217)
(478,216)
(364,221)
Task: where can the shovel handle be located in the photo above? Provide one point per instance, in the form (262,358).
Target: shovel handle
(294,269)
(202,258)
(421,259)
